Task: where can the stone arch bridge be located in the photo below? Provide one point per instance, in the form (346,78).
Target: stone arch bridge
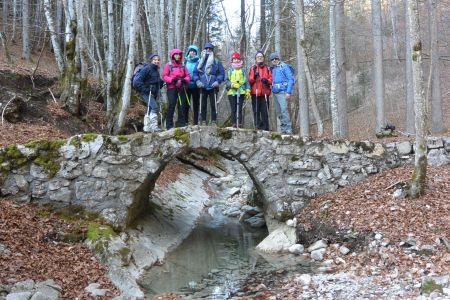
(114,175)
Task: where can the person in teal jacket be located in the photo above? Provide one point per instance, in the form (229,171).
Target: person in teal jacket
(192,91)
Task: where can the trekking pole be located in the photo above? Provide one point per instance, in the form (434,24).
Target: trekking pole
(267,106)
(256,107)
(215,103)
(237,106)
(201,108)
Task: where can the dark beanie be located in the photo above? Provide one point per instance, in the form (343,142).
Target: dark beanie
(150,57)
(259,52)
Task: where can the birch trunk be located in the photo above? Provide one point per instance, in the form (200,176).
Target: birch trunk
(171,27)
(410,115)
(5,10)
(420,161)
(14,21)
(54,37)
(187,21)
(162,9)
(378,65)
(436,99)
(262,28)
(25,30)
(277,16)
(341,61)
(126,90)
(333,71)
(111,86)
(243,48)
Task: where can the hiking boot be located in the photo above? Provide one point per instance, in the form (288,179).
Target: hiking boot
(214,123)
(203,123)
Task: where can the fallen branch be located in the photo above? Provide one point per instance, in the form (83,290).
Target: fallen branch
(54,99)
(4,109)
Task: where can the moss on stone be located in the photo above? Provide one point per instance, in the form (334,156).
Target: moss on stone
(137,139)
(110,145)
(275,135)
(75,141)
(181,136)
(11,158)
(284,215)
(88,137)
(73,213)
(122,138)
(295,158)
(430,285)
(96,232)
(124,255)
(224,133)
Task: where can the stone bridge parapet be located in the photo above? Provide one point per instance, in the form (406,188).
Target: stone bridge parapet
(114,175)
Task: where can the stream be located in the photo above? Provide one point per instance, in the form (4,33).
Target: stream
(214,260)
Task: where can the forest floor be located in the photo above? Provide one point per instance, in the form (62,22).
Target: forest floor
(365,207)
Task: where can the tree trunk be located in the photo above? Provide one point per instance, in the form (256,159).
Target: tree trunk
(410,115)
(178,37)
(54,37)
(277,17)
(436,100)
(341,87)
(243,43)
(393,12)
(126,91)
(301,67)
(71,81)
(171,27)
(5,10)
(111,80)
(378,65)
(14,21)
(26,30)
(420,162)
(262,27)
(333,71)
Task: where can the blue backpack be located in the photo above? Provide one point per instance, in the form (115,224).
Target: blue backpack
(136,73)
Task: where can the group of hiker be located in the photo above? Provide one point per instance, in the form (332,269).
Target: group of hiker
(193,79)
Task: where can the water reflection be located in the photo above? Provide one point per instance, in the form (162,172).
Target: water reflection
(211,262)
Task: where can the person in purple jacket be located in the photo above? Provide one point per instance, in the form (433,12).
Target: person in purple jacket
(176,75)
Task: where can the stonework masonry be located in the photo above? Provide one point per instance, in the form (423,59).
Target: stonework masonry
(114,175)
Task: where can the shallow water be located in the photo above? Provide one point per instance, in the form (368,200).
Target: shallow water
(213,261)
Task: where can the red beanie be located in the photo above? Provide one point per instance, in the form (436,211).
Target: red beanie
(235,55)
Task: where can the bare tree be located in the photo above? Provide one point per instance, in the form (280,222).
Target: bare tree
(126,91)
(378,65)
(54,37)
(26,29)
(277,17)
(333,70)
(341,61)
(393,13)
(436,99)
(410,115)
(262,26)
(420,162)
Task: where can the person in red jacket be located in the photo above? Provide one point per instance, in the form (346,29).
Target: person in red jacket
(177,77)
(260,78)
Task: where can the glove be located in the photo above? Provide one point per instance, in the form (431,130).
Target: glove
(183,81)
(264,80)
(200,84)
(247,94)
(235,85)
(175,80)
(256,75)
(179,83)
(215,84)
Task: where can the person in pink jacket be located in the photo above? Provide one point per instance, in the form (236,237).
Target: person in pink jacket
(176,75)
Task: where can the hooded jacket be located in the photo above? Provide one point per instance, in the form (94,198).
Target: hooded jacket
(149,80)
(283,79)
(191,62)
(217,73)
(259,88)
(178,70)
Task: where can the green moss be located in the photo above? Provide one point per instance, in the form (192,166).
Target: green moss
(224,133)
(181,136)
(74,213)
(124,254)
(88,137)
(11,158)
(284,215)
(96,232)
(417,47)
(43,213)
(430,285)
(122,138)
(295,158)
(110,145)
(275,135)
(75,141)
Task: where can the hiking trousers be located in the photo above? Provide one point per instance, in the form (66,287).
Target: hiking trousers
(177,98)
(236,109)
(194,97)
(282,112)
(260,109)
(211,94)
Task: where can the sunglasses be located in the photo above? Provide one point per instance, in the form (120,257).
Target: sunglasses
(275,59)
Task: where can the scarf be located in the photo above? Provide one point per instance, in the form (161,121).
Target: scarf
(209,58)
(237,65)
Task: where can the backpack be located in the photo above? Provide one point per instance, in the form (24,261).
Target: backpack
(136,73)
(286,65)
(170,66)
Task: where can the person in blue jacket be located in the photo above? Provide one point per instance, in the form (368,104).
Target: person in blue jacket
(193,92)
(282,86)
(149,83)
(208,75)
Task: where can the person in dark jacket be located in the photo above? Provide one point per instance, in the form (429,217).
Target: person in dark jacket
(260,78)
(193,92)
(208,75)
(176,75)
(148,84)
